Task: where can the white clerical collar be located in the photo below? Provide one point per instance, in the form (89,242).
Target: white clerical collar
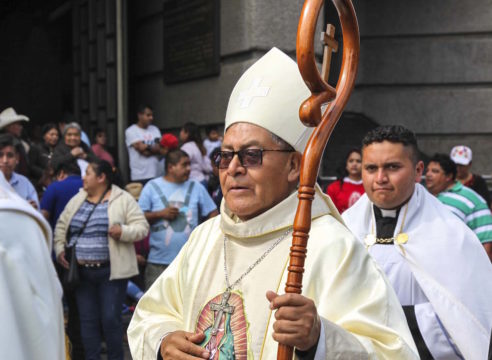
(350,181)
(389,213)
(277,218)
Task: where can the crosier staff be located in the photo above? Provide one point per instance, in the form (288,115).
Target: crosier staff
(310,114)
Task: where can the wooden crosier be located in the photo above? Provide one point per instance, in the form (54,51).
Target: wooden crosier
(310,114)
(330,45)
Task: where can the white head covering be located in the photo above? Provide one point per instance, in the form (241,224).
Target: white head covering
(9,116)
(461,155)
(269,95)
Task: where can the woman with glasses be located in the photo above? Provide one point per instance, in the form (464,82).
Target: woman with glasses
(102,222)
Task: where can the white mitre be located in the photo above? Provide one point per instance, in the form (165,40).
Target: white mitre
(269,95)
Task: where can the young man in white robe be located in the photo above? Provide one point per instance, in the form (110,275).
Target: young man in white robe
(438,268)
(30,294)
(223,294)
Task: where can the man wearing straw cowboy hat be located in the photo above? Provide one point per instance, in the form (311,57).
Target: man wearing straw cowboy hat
(12,123)
(222,296)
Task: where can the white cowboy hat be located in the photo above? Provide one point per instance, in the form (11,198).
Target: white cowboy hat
(9,116)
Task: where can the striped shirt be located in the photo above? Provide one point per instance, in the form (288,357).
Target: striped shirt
(92,244)
(469,207)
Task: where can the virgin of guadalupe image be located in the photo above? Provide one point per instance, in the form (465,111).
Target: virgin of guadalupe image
(225,327)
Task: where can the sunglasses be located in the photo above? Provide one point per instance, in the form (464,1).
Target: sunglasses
(247,157)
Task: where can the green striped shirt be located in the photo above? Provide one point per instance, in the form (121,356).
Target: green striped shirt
(469,207)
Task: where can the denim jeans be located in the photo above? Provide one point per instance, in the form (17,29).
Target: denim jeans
(100,302)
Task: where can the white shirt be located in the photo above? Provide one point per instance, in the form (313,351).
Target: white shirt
(201,165)
(24,188)
(142,167)
(211,145)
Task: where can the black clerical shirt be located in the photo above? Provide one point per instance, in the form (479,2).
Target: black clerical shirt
(385,222)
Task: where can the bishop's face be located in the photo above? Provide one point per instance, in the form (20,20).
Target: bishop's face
(389,173)
(250,191)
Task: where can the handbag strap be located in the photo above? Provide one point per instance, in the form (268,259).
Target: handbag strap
(82,228)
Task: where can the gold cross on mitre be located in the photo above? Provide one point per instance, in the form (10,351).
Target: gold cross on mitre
(330,45)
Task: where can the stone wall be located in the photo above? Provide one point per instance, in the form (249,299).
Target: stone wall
(427,65)
(424,64)
(248,29)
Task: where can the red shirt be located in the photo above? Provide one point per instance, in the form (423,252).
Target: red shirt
(346,195)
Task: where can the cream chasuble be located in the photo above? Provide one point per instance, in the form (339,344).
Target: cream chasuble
(30,293)
(361,315)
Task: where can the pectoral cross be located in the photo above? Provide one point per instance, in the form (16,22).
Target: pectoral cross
(221,309)
(330,45)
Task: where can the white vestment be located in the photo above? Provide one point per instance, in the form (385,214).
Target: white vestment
(443,270)
(360,313)
(30,293)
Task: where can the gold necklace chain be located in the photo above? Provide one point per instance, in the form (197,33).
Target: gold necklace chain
(400,238)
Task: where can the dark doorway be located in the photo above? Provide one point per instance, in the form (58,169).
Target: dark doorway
(348,134)
(36,60)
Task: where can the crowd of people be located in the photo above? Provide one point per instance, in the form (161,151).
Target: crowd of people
(447,177)
(123,238)
(198,280)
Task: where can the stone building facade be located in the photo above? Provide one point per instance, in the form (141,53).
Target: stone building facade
(424,64)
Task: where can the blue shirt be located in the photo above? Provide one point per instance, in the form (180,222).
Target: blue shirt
(85,138)
(58,194)
(24,188)
(168,237)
